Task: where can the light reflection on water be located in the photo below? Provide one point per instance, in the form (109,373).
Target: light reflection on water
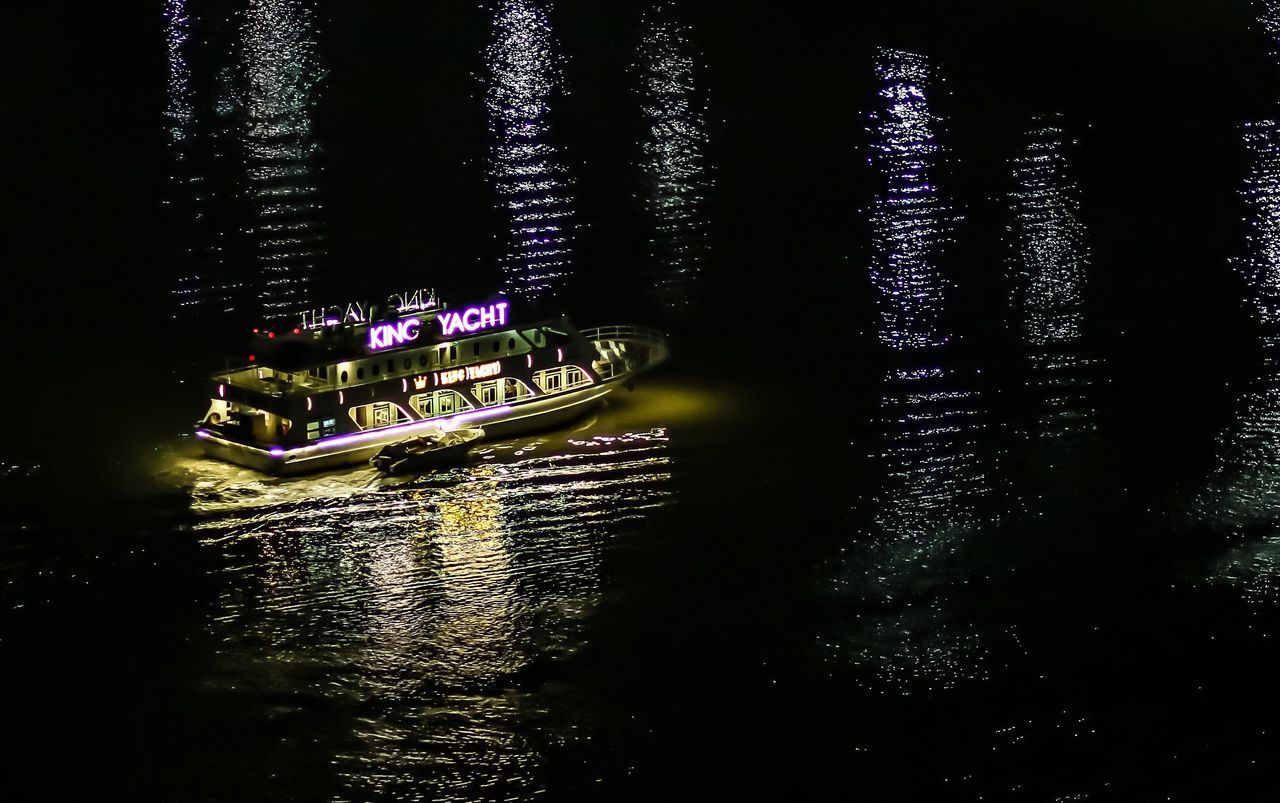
(674,164)
(531,179)
(283,72)
(928,504)
(1242,493)
(913,221)
(419,604)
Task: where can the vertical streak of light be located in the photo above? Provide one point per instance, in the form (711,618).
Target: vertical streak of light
(913,222)
(674,160)
(1049,254)
(283,71)
(179,105)
(527,170)
(204,284)
(1260,264)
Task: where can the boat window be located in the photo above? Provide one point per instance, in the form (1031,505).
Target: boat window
(360,372)
(378,414)
(486,392)
(422,362)
(376,368)
(565,377)
(438,403)
(513,389)
(391,365)
(321,429)
(343,377)
(511,344)
(408,363)
(475,348)
(453,353)
(497,344)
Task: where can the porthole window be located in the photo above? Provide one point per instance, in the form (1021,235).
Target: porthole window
(343,378)
(391,366)
(360,372)
(422,361)
(511,344)
(408,363)
(497,344)
(376,368)
(475,348)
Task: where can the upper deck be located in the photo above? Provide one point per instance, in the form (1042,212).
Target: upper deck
(339,355)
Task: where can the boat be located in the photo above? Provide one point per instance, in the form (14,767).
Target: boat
(432,448)
(345,381)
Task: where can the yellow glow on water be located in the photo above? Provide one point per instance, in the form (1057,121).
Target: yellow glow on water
(426,597)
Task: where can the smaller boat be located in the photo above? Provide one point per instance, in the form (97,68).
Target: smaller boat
(435,447)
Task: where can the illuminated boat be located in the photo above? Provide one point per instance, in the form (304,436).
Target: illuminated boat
(436,447)
(348,381)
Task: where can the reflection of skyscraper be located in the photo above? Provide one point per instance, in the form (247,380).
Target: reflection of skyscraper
(1260,264)
(200,198)
(1050,255)
(241,93)
(912,222)
(282,71)
(1048,271)
(528,173)
(674,157)
(928,505)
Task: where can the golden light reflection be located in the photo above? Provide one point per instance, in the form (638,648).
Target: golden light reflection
(423,602)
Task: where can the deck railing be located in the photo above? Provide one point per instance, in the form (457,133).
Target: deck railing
(636,334)
(650,340)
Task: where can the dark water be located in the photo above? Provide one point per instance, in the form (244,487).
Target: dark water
(963,598)
(961,483)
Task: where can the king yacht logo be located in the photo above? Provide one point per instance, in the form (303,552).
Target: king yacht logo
(473,319)
(389,335)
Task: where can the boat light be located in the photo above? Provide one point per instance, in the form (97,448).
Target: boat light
(222,391)
(431,423)
(276,451)
(308,404)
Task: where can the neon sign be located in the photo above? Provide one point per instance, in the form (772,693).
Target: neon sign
(473,319)
(390,335)
(470,372)
(358,312)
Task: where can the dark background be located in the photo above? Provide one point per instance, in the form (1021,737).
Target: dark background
(1154,91)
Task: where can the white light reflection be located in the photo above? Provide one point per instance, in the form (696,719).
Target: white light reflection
(1242,494)
(194,130)
(912,221)
(284,73)
(1050,255)
(902,574)
(674,162)
(1048,271)
(1260,265)
(527,171)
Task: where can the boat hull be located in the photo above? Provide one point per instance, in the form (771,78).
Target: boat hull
(529,416)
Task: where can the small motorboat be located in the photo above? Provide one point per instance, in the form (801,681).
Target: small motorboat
(435,447)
